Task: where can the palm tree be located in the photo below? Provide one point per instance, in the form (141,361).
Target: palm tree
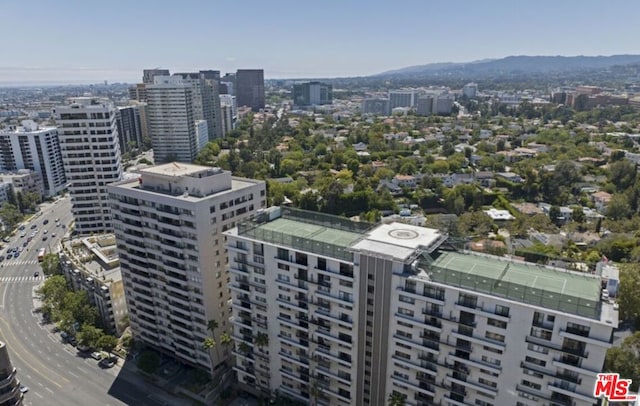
(396,399)
(225,339)
(260,340)
(207,345)
(314,392)
(212,325)
(244,348)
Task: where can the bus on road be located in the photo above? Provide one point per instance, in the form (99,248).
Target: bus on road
(41,254)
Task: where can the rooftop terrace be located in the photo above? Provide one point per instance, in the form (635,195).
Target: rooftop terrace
(565,291)
(308,231)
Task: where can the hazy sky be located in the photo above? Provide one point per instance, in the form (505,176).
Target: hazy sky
(96,40)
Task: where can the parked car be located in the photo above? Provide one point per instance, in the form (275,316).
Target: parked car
(36,274)
(24,389)
(72,340)
(45,222)
(107,362)
(96,355)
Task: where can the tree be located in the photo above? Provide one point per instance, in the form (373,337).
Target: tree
(53,291)
(89,335)
(148,362)
(208,344)
(107,343)
(51,265)
(625,360)
(396,399)
(578,215)
(10,215)
(628,296)
(554,214)
(622,174)
(260,340)
(618,207)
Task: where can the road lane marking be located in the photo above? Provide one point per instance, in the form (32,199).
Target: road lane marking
(17,343)
(4,292)
(50,391)
(38,395)
(74,375)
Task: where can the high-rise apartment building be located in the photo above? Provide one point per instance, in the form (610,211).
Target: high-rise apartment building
(131,122)
(336,312)
(403,98)
(29,146)
(168,226)
(138,92)
(172,119)
(312,93)
(378,106)
(229,112)
(249,88)
(91,157)
(148,75)
(10,394)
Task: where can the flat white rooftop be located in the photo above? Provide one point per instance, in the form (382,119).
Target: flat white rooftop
(397,240)
(175,169)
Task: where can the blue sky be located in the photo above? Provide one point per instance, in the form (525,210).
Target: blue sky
(93,40)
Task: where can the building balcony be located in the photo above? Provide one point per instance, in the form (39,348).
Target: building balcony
(479,340)
(475,363)
(574,364)
(332,374)
(303,344)
(423,296)
(589,340)
(296,376)
(569,390)
(322,352)
(427,367)
(300,325)
(473,385)
(420,387)
(343,320)
(430,346)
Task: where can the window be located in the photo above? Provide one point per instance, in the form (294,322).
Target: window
(493,350)
(533,373)
(494,336)
(578,329)
(496,323)
(407,299)
(405,312)
(531,385)
(433,292)
(537,348)
(487,382)
(502,311)
(535,361)
(467,300)
(541,333)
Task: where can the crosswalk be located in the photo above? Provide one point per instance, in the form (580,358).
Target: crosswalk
(12,279)
(13,262)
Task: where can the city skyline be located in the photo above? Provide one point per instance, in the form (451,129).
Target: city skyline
(354,39)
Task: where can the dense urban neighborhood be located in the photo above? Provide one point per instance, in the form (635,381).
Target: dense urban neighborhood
(402,239)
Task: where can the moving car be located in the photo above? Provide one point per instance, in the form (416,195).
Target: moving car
(45,222)
(24,389)
(36,274)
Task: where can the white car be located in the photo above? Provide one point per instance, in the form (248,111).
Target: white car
(96,355)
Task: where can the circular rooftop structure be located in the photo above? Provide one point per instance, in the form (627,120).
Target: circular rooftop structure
(403,234)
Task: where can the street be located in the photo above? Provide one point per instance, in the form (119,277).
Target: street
(54,371)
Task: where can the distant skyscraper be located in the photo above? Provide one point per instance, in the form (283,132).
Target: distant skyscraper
(36,148)
(91,156)
(172,119)
(250,88)
(229,79)
(130,126)
(138,92)
(312,93)
(425,105)
(148,75)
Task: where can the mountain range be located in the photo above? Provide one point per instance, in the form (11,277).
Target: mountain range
(514,65)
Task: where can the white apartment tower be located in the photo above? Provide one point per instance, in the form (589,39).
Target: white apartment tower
(91,157)
(168,226)
(335,312)
(172,119)
(30,146)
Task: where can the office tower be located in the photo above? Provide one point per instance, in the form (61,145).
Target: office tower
(10,394)
(250,88)
(341,313)
(91,157)
(148,75)
(30,146)
(377,106)
(202,133)
(130,123)
(312,93)
(212,79)
(229,113)
(229,79)
(171,119)
(168,225)
(402,98)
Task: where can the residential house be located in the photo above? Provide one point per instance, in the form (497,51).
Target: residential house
(510,176)
(601,200)
(485,178)
(408,181)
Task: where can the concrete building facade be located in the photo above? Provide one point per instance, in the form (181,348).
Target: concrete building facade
(168,227)
(131,126)
(31,147)
(336,312)
(91,157)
